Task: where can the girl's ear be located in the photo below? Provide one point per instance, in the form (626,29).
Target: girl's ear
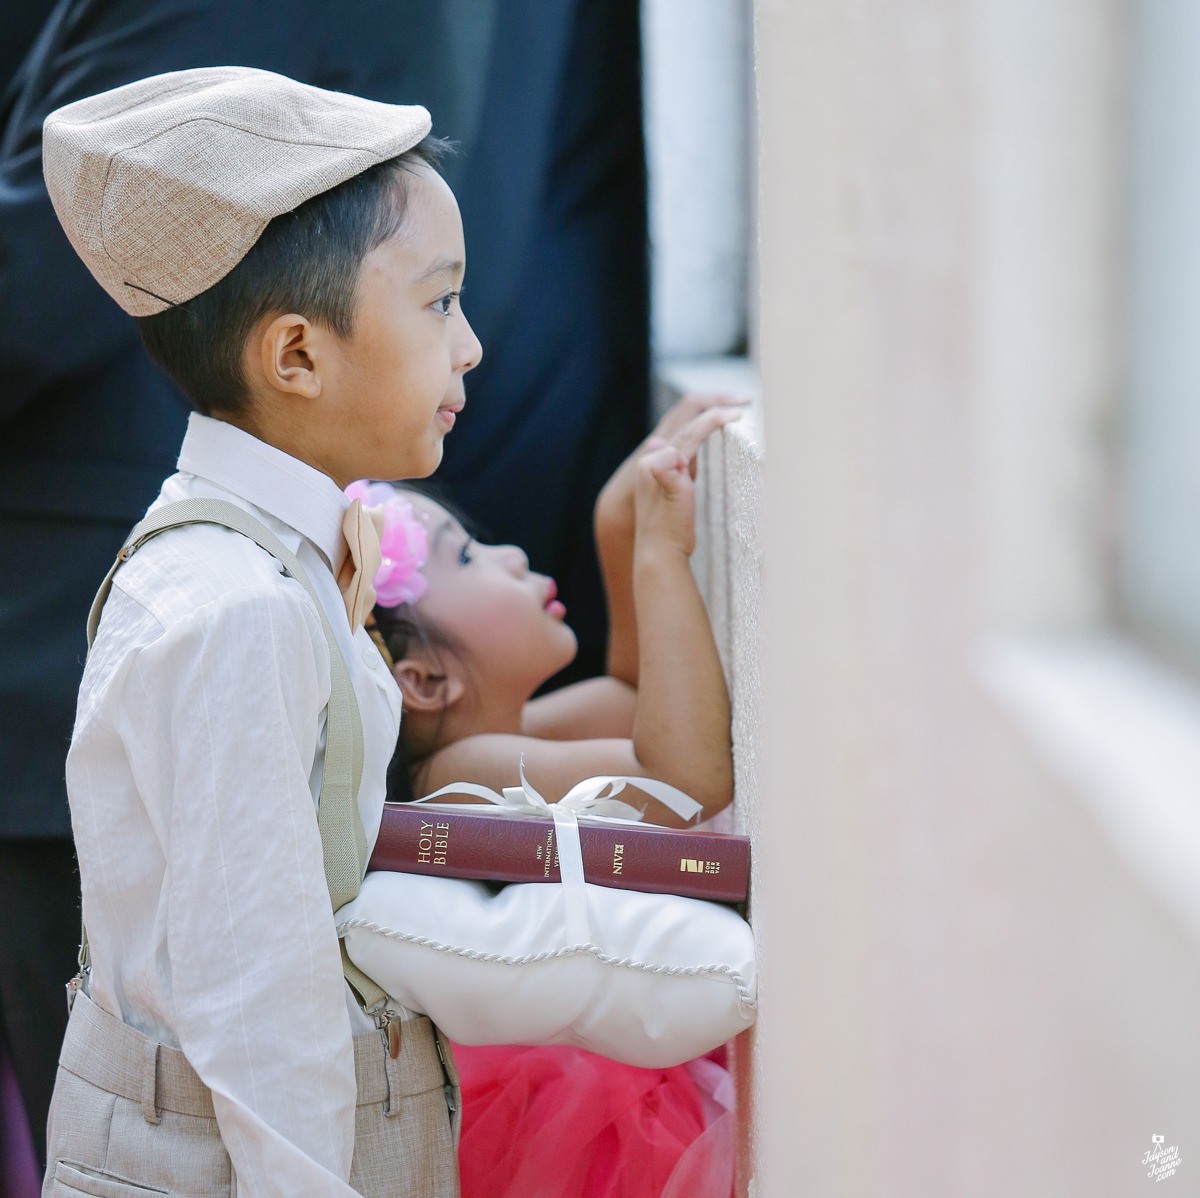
(425,687)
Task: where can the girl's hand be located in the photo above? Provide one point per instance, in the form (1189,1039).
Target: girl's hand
(665,502)
(686,426)
(637,500)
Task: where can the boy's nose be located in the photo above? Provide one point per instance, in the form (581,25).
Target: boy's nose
(470,351)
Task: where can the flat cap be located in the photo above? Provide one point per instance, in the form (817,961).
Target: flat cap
(163,185)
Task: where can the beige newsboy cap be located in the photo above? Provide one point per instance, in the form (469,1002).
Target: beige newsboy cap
(163,185)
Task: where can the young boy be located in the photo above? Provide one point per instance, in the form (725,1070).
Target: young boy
(295,262)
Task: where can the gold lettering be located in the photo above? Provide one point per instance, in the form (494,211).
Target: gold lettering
(618,858)
(441,844)
(689,865)
(425,842)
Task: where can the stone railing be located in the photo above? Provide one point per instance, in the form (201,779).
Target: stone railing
(728,564)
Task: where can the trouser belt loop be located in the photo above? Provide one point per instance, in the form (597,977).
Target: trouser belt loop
(150,1082)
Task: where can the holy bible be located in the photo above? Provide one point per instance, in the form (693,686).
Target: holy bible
(506,846)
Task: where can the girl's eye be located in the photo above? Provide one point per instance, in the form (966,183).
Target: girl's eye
(464,554)
(445,305)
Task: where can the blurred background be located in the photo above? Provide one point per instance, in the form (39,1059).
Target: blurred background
(949,245)
(544,103)
(980,891)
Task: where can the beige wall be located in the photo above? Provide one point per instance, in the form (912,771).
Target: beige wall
(966,990)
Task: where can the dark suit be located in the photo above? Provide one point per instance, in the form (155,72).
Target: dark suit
(545,100)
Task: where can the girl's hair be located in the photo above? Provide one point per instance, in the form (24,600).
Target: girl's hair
(401,628)
(306,261)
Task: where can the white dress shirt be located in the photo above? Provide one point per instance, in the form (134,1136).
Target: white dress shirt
(192,776)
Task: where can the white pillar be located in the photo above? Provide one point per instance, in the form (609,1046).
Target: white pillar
(696,64)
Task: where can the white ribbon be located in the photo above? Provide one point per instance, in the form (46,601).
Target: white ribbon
(593,798)
(570,873)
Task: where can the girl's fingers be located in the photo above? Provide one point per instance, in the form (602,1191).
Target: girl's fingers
(668,468)
(663,462)
(693,434)
(691,406)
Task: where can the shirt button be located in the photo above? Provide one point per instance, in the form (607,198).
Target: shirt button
(372,659)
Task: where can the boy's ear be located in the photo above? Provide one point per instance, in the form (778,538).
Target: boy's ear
(425,687)
(286,357)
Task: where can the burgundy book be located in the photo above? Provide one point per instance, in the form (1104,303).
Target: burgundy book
(507,846)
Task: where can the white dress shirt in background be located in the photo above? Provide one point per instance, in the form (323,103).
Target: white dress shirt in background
(193,773)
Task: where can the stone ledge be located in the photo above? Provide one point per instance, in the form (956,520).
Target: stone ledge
(728,562)
(1123,732)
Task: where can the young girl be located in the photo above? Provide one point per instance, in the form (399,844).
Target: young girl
(471,634)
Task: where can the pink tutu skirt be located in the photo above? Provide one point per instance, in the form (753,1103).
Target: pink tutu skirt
(559,1122)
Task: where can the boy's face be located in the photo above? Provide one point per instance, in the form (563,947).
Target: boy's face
(397,380)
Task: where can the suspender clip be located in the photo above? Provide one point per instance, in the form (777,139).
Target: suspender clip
(388,1023)
(73,988)
(447,1084)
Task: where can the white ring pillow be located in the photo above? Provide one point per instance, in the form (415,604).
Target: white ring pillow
(648,979)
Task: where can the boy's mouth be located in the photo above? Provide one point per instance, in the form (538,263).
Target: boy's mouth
(449,414)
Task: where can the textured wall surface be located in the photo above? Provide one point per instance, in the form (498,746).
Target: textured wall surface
(728,564)
(965,990)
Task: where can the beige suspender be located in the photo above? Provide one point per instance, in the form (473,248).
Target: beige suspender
(343,841)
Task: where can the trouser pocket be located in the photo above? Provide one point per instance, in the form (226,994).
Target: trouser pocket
(68,1178)
(101,1144)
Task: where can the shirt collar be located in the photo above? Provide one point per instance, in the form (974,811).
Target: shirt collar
(277,483)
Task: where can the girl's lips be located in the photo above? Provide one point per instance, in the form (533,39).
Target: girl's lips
(552,606)
(447,416)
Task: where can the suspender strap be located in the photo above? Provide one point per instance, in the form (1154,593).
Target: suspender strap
(343,842)
(370,996)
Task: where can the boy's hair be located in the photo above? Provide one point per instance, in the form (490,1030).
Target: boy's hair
(305,261)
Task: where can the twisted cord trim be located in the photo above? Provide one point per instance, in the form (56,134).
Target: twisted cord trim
(745,996)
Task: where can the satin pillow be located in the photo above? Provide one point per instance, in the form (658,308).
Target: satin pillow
(654,981)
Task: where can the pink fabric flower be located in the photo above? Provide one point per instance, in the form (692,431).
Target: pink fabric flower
(404,544)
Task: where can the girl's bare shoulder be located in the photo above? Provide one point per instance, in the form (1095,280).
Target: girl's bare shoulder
(552,766)
(587,710)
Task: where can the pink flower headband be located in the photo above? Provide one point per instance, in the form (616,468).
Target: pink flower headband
(404,544)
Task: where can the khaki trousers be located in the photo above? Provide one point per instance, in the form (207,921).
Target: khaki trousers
(130,1117)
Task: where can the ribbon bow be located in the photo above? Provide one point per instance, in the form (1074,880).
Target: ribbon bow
(593,798)
(362,527)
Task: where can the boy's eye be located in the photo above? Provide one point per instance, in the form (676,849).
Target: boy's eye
(445,305)
(464,554)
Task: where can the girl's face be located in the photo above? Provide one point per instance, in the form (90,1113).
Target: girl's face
(506,623)
(399,376)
